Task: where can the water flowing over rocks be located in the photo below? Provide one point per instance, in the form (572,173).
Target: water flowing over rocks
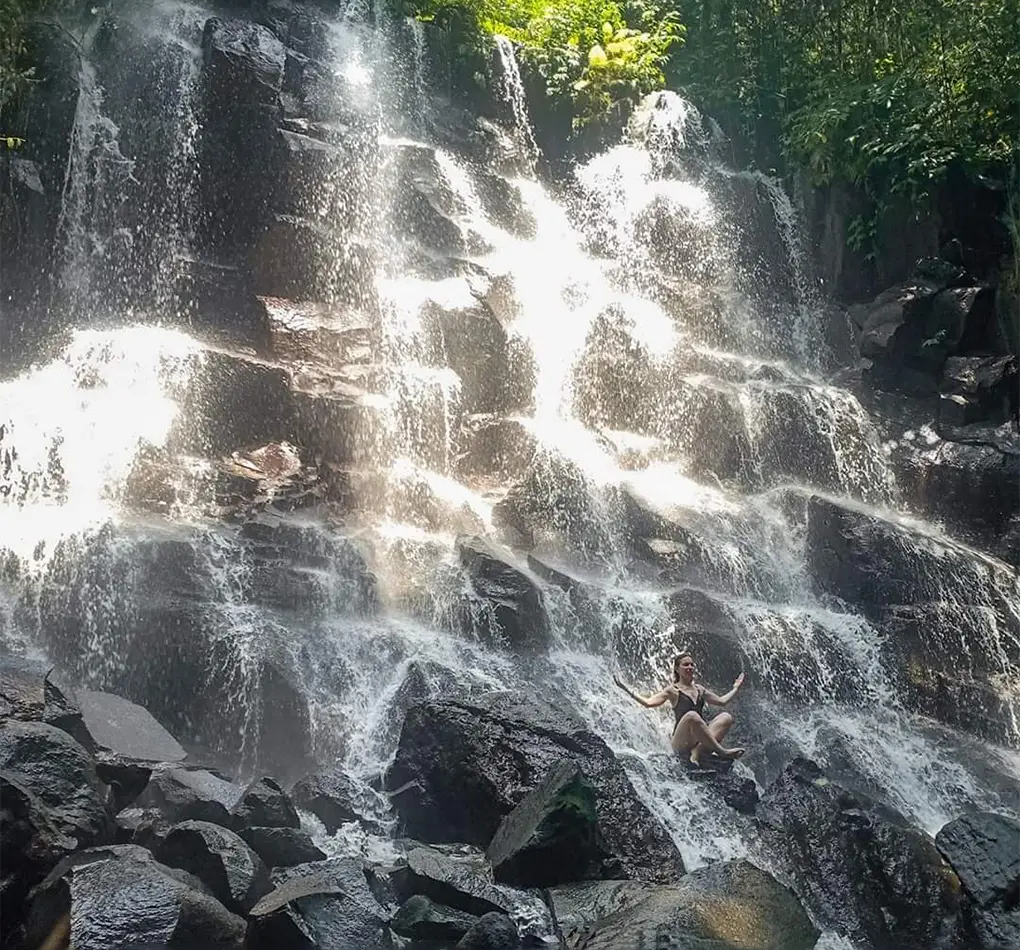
(348,458)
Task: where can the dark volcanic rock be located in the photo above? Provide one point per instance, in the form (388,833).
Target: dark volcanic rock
(230,869)
(460,881)
(190,795)
(243,61)
(334,797)
(49,764)
(128,742)
(282,847)
(460,768)
(28,693)
(857,866)
(984,851)
(511,603)
(422,919)
(492,931)
(264,803)
(30,843)
(733,904)
(125,730)
(552,836)
(319,907)
(120,896)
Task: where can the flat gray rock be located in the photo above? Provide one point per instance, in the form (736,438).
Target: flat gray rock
(126,729)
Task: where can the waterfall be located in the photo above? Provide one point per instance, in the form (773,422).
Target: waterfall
(626,379)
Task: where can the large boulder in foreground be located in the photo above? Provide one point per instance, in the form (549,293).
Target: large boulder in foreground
(120,896)
(734,904)
(462,767)
(48,763)
(30,693)
(984,851)
(552,836)
(860,869)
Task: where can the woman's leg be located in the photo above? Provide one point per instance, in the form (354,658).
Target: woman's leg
(692,734)
(718,727)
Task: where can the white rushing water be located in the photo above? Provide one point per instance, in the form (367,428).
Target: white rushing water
(653,377)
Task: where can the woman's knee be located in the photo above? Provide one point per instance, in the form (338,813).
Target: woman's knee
(689,718)
(724,719)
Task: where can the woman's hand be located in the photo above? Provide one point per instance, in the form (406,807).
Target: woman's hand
(619,682)
(738,682)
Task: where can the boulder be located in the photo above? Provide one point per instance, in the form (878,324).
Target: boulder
(458,879)
(508,605)
(128,741)
(504,204)
(47,763)
(319,907)
(242,61)
(422,919)
(190,795)
(492,931)
(858,867)
(31,844)
(334,797)
(552,836)
(120,896)
(264,803)
(30,693)
(461,767)
(142,826)
(282,847)
(984,850)
(234,874)
(731,904)
(990,381)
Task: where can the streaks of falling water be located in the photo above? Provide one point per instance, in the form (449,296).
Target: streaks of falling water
(512,92)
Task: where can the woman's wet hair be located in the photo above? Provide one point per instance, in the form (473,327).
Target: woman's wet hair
(676,662)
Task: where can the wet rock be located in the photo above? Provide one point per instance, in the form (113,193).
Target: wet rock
(462,767)
(265,803)
(422,919)
(476,346)
(552,836)
(504,204)
(120,896)
(492,931)
(234,874)
(991,381)
(334,797)
(142,826)
(242,61)
(729,904)
(319,907)
(30,693)
(190,795)
(489,444)
(282,847)
(302,259)
(424,203)
(31,844)
(47,763)
(857,866)
(511,606)
(128,740)
(984,851)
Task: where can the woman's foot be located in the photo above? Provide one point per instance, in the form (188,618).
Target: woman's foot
(732,753)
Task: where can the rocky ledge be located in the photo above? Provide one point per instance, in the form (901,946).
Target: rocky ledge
(526,831)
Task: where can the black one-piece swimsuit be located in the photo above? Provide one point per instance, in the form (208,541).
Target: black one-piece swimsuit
(685,704)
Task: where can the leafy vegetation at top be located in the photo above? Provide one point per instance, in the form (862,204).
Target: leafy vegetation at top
(888,95)
(589,53)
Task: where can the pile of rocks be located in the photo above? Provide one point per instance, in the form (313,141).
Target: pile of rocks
(526,829)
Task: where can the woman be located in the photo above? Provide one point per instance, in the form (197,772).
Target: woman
(692,736)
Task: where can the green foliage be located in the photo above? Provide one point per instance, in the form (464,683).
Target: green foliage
(16,72)
(589,53)
(889,96)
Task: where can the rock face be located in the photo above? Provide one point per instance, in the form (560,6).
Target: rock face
(859,868)
(510,606)
(120,896)
(332,796)
(984,851)
(422,919)
(728,905)
(281,847)
(190,795)
(552,836)
(28,693)
(460,768)
(265,804)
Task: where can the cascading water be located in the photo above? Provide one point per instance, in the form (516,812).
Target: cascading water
(630,382)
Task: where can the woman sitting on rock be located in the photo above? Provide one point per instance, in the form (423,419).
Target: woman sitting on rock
(692,736)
